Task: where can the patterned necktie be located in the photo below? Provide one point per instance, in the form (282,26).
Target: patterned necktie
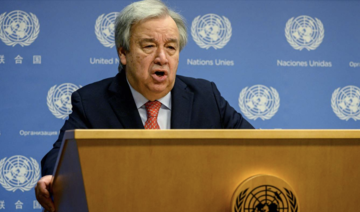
(152,110)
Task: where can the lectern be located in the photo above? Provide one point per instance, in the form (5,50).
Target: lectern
(199,170)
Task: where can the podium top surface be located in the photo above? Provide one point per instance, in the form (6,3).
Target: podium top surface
(212,134)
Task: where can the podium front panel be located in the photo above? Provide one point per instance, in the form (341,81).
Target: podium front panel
(199,170)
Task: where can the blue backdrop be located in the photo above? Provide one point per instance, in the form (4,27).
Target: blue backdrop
(282,64)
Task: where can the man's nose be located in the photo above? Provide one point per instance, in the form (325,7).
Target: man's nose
(161,57)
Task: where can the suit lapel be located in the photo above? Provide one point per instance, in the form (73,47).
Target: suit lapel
(182,101)
(123,104)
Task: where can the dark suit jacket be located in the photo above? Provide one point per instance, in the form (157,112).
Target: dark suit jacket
(109,104)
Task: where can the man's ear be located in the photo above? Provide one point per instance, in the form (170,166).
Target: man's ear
(122,55)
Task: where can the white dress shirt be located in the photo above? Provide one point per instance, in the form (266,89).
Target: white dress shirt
(164,115)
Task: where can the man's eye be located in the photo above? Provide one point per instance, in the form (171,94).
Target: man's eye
(149,46)
(171,47)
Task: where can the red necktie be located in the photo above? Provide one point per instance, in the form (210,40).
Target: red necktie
(152,110)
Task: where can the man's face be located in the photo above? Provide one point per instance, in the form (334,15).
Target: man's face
(153,58)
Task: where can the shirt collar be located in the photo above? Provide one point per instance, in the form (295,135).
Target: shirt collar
(140,100)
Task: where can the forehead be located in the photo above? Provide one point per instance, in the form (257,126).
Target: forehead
(151,28)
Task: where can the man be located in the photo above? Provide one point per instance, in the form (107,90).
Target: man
(149,38)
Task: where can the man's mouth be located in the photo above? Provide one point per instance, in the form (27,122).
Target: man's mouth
(159,73)
(159,76)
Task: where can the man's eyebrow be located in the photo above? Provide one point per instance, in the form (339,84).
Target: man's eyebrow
(169,40)
(172,40)
(147,40)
